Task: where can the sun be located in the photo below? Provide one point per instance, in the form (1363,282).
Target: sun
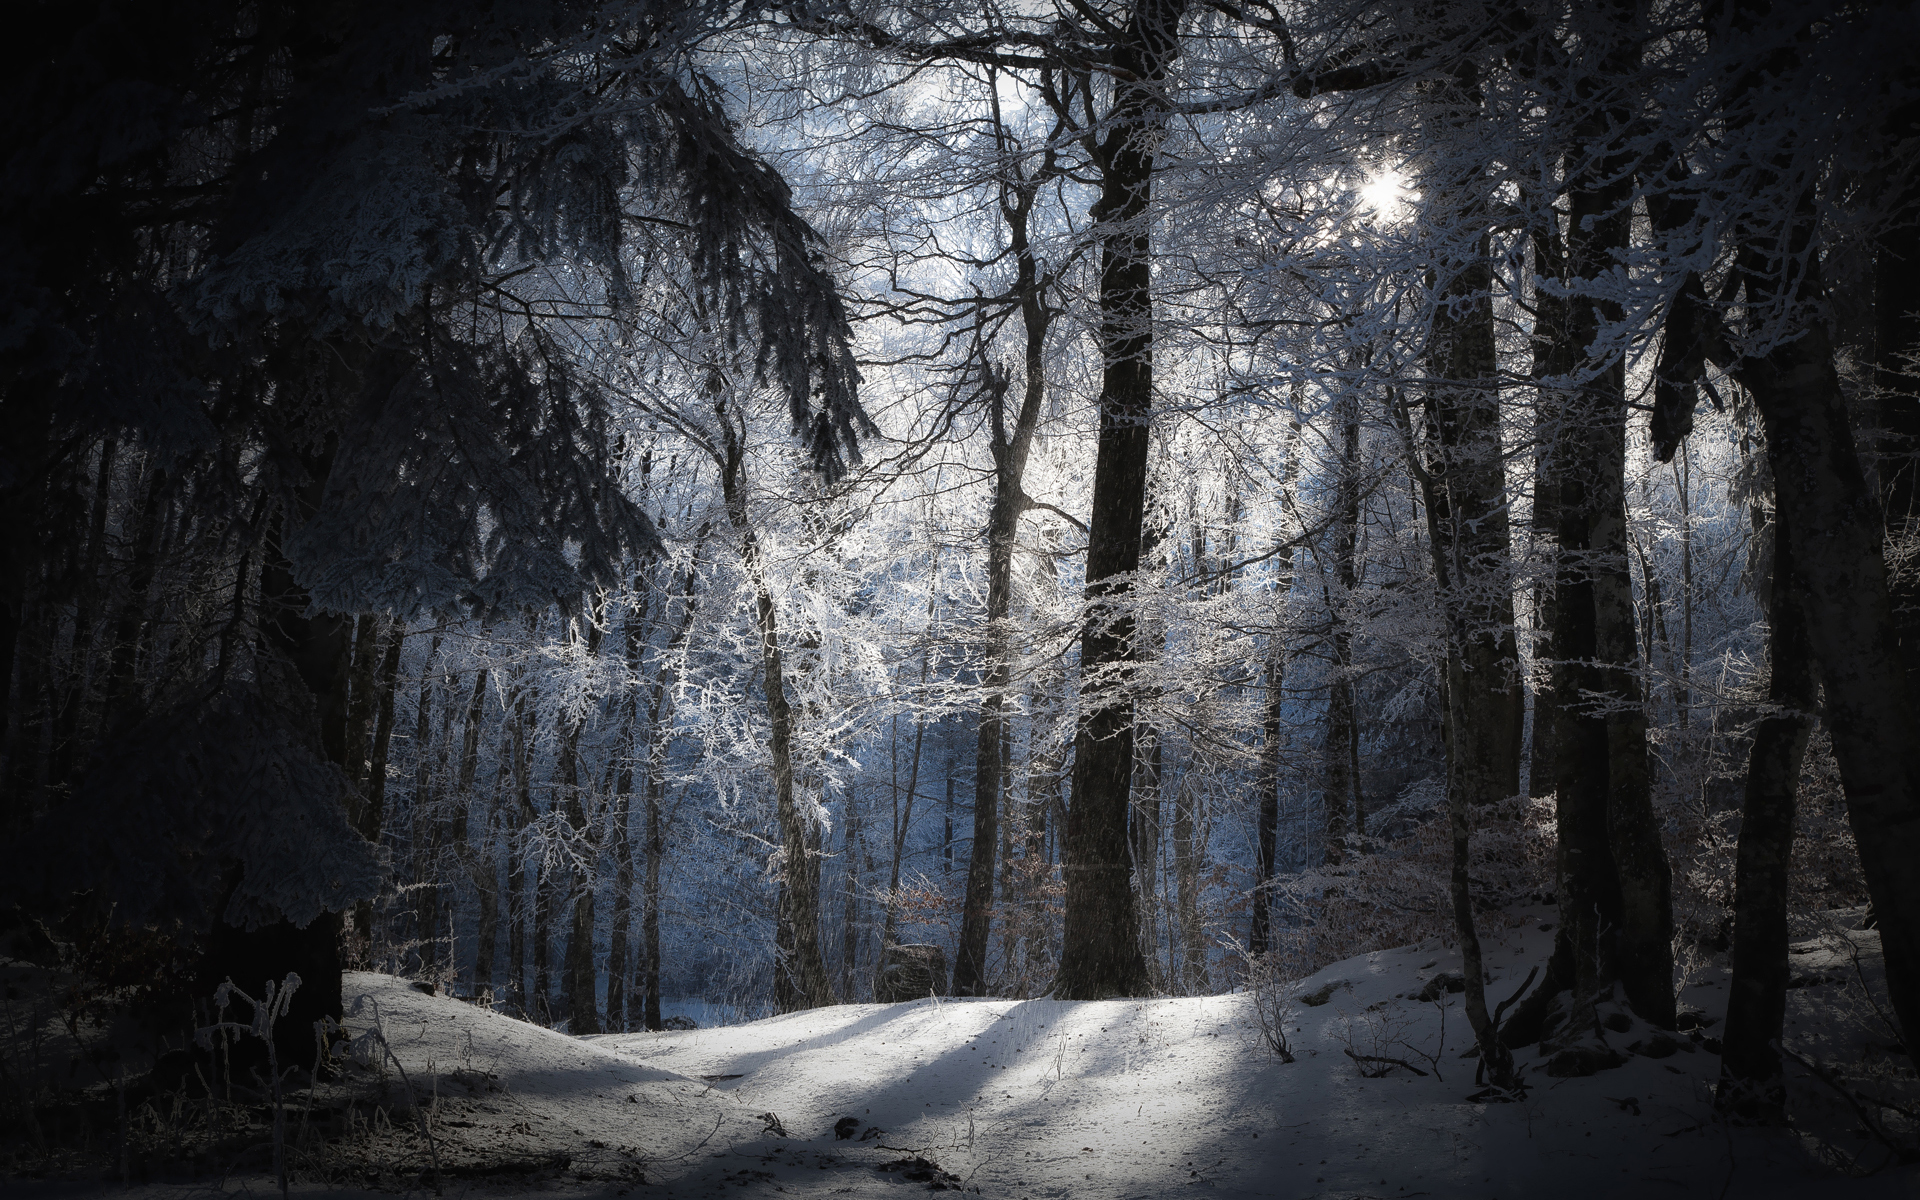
(1387,194)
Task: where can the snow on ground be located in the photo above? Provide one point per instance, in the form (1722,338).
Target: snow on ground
(1128,1098)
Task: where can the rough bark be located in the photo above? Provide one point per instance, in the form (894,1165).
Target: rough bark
(620,817)
(659,719)
(1834,530)
(1101,953)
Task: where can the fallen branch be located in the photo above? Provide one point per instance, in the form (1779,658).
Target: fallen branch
(1390,1064)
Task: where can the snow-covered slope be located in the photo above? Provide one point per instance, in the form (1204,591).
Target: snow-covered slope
(1135,1098)
(1147,1098)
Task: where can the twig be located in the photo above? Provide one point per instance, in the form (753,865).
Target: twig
(1391,1062)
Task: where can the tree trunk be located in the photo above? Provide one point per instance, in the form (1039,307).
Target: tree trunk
(1616,902)
(1144,831)
(1838,580)
(1342,759)
(802,973)
(1010,449)
(1101,955)
(853,848)
(373,809)
(480,865)
(1267,838)
(520,902)
(1189,849)
(1267,814)
(315,647)
(582,999)
(620,816)
(1046,766)
(429,823)
(74,725)
(902,821)
(1463,483)
(1751,1083)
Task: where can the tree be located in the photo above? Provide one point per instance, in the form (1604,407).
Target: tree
(309,285)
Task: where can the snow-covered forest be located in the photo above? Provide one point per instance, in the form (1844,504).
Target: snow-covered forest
(657,514)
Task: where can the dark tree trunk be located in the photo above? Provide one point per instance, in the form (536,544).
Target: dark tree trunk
(122,706)
(429,823)
(1619,914)
(1267,839)
(1757,999)
(542,886)
(316,648)
(1346,811)
(1267,814)
(479,863)
(373,809)
(1462,480)
(1834,530)
(73,725)
(582,999)
(362,699)
(853,847)
(520,901)
(1101,955)
(1838,580)
(902,821)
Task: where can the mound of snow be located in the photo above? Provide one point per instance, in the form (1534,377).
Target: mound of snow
(1127,1098)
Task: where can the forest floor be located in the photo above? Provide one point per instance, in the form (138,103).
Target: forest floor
(1135,1098)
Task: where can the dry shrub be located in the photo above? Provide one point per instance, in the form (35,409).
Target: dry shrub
(1395,892)
(1031,893)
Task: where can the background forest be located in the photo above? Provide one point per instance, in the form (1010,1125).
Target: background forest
(634,509)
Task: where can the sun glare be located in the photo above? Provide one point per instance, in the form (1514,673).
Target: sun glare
(1386,195)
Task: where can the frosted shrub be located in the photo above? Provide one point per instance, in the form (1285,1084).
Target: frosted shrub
(1270,991)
